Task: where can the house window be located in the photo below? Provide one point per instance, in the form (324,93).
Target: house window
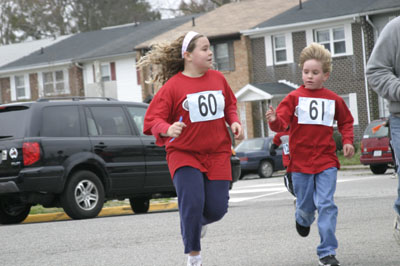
(333,39)
(105,72)
(20,87)
(54,83)
(280,55)
(223,56)
(278,49)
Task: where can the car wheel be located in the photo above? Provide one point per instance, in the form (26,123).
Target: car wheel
(13,211)
(140,205)
(83,197)
(378,169)
(266,169)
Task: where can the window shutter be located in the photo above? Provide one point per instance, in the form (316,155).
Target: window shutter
(348,37)
(138,76)
(289,47)
(231,57)
(268,50)
(112,68)
(353,107)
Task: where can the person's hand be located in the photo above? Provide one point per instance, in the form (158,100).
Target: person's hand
(175,129)
(270,115)
(237,130)
(348,150)
(272,149)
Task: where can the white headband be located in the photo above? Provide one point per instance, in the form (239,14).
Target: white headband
(188,37)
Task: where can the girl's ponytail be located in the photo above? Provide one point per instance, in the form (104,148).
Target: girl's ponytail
(165,58)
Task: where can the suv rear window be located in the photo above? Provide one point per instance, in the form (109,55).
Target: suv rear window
(110,121)
(13,121)
(381,132)
(60,121)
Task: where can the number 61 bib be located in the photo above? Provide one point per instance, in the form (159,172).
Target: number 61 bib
(316,111)
(206,106)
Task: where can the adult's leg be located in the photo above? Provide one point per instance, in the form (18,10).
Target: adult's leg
(327,211)
(189,185)
(216,200)
(303,185)
(395,136)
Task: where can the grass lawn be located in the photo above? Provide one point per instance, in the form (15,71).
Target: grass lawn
(355,160)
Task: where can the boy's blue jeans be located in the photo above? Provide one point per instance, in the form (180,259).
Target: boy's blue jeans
(395,134)
(315,192)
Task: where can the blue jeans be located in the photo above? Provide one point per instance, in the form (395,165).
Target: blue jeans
(200,202)
(395,135)
(315,192)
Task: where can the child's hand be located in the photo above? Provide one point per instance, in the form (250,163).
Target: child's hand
(237,130)
(175,129)
(348,150)
(270,115)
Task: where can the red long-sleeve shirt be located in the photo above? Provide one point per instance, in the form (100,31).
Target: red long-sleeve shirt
(204,145)
(312,148)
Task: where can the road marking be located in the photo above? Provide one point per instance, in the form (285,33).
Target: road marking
(276,188)
(256,197)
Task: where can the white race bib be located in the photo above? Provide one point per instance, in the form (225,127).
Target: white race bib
(285,148)
(206,106)
(316,111)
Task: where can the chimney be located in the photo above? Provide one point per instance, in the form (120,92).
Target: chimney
(300,5)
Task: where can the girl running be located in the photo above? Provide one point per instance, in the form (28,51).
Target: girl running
(188,115)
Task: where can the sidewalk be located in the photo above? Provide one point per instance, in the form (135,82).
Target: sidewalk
(354,167)
(109,211)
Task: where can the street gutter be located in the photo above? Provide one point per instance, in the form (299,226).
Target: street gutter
(109,211)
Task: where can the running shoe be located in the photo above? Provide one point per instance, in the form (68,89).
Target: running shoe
(329,261)
(194,261)
(302,230)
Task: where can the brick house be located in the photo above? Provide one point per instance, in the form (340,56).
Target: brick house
(96,63)
(231,50)
(348,28)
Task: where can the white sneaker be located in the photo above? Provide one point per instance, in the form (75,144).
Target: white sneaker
(194,261)
(203,231)
(396,232)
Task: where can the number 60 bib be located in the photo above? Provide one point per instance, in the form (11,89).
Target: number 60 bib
(316,111)
(206,106)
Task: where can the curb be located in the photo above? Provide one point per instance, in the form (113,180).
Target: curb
(354,167)
(109,211)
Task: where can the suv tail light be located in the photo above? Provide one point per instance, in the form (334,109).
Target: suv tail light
(30,152)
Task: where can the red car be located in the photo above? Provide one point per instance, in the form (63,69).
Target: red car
(375,149)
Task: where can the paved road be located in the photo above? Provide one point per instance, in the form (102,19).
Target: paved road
(258,230)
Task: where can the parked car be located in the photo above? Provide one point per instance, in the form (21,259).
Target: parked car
(375,149)
(76,153)
(255,157)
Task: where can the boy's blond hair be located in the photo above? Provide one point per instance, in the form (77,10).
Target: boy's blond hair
(317,52)
(165,58)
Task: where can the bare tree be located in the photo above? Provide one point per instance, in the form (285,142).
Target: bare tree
(37,19)
(200,6)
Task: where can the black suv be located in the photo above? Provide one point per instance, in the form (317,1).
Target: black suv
(77,153)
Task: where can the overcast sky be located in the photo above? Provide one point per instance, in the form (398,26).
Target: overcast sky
(161,5)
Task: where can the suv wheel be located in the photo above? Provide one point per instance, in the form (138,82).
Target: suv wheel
(83,197)
(13,211)
(140,205)
(266,169)
(378,169)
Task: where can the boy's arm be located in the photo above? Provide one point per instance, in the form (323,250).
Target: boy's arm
(284,113)
(344,121)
